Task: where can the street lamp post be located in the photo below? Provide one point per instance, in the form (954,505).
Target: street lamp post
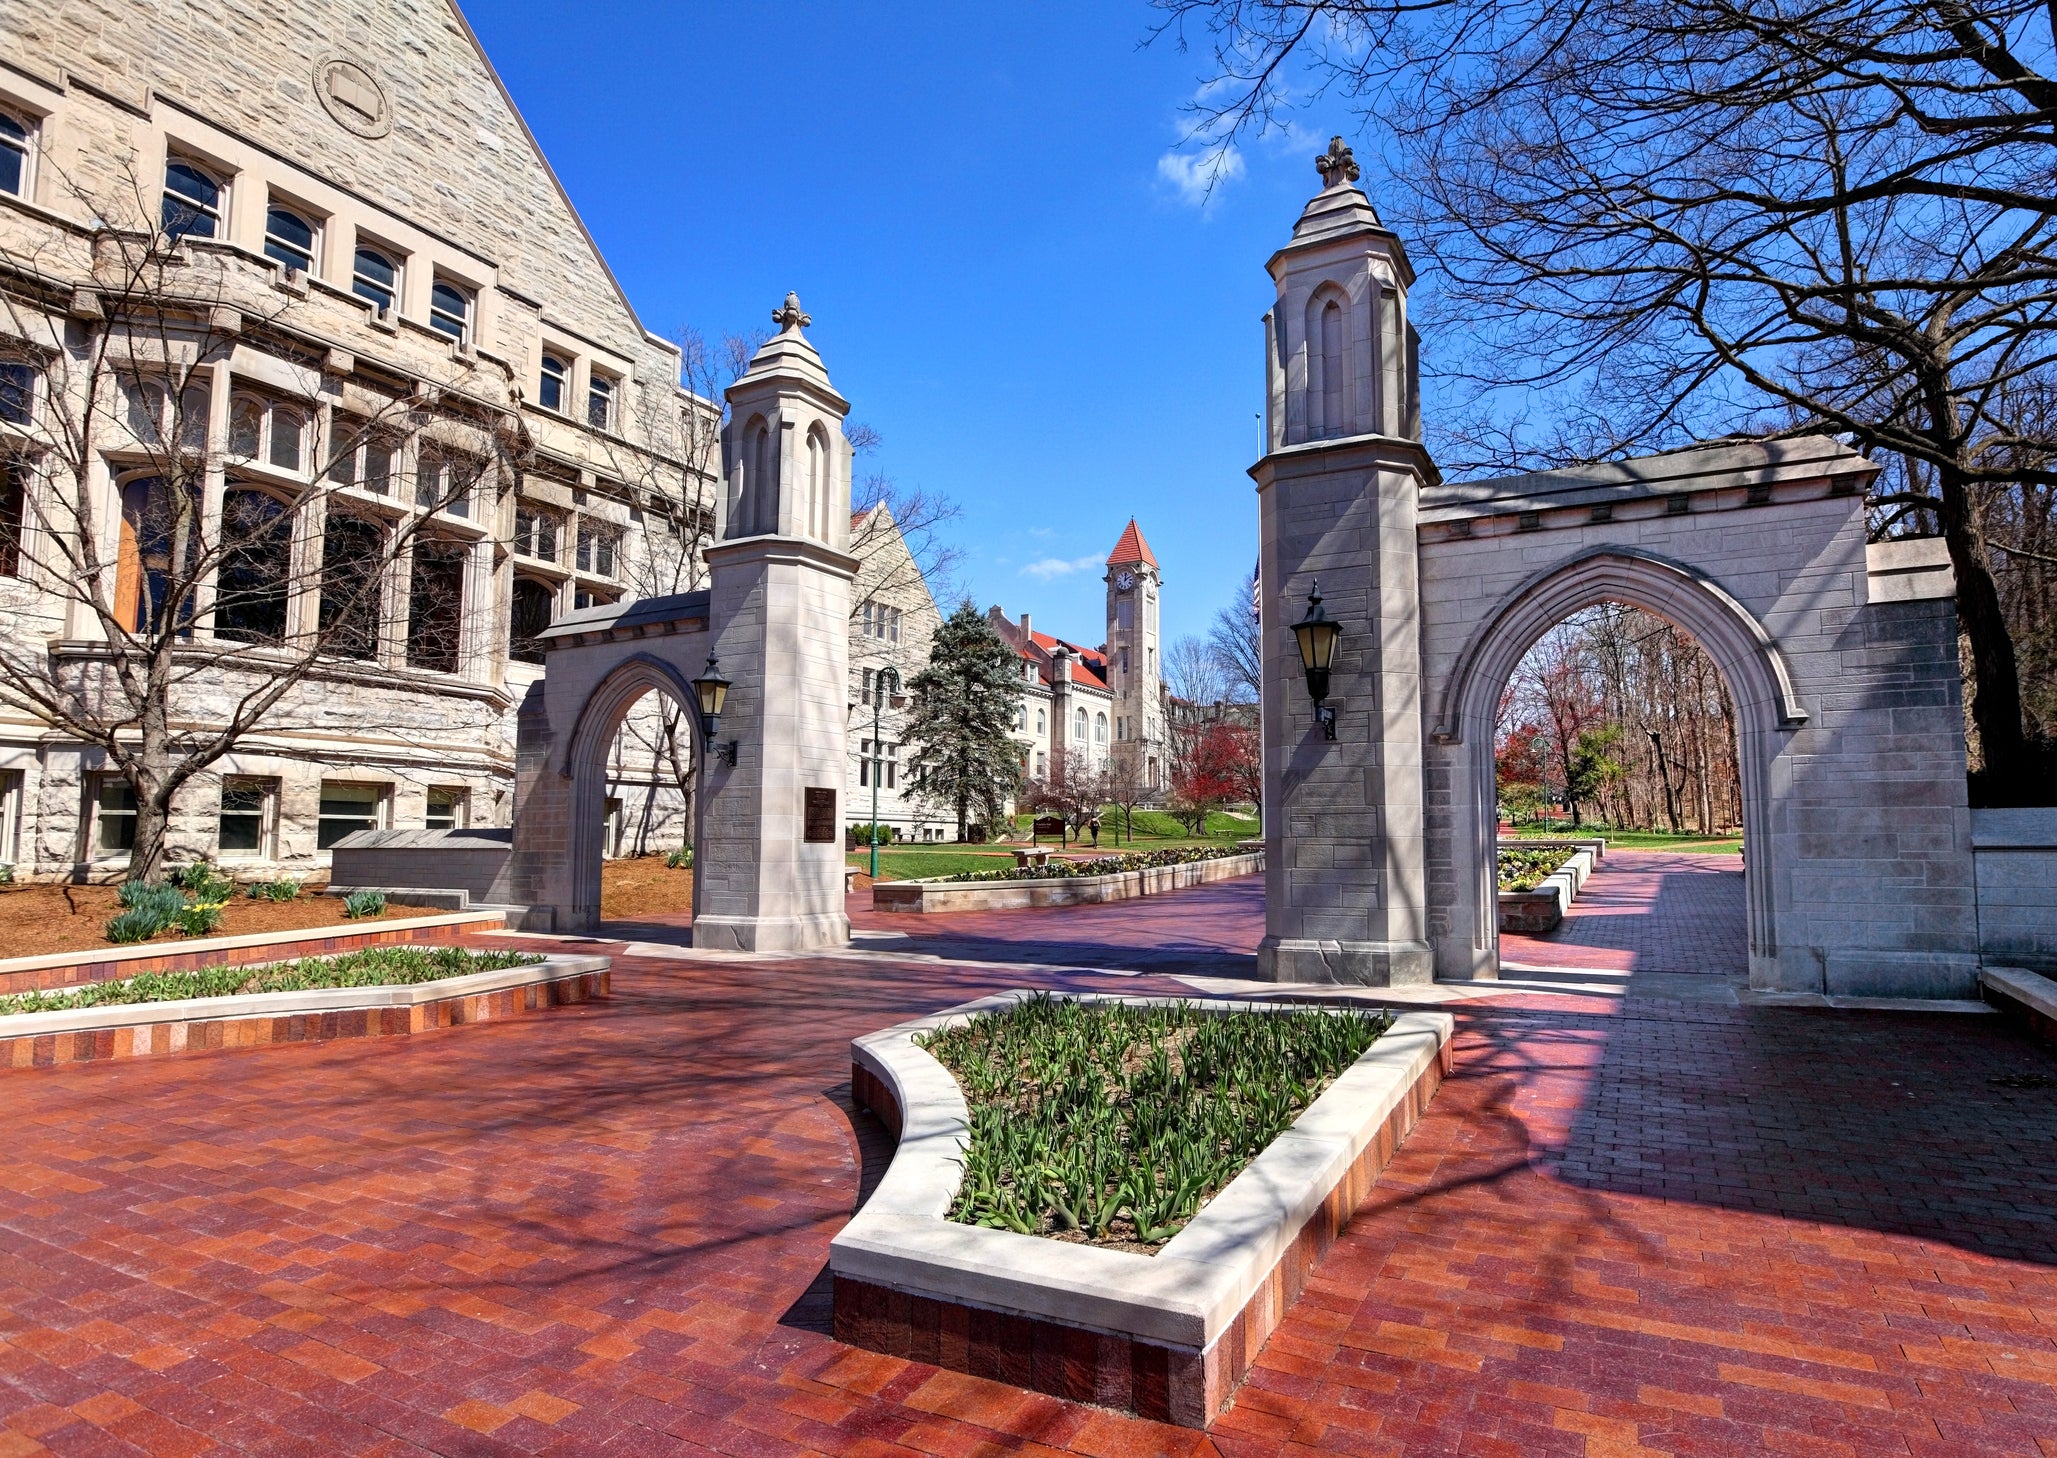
(878,700)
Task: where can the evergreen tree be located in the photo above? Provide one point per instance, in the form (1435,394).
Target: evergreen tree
(962,719)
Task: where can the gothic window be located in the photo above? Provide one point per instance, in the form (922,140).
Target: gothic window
(1332,368)
(289,238)
(450,310)
(550,389)
(532,603)
(251,585)
(375,277)
(435,606)
(352,577)
(15,136)
(192,201)
(818,483)
(761,479)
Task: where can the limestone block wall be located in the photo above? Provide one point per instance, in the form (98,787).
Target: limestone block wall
(2016,856)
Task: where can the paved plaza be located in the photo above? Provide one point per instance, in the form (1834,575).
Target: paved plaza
(1635,1221)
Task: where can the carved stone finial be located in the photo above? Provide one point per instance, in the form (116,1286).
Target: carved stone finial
(1336,165)
(790,316)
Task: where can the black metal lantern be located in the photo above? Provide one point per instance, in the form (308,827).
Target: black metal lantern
(713,690)
(1317,635)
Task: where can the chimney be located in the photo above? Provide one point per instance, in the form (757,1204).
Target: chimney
(1025,638)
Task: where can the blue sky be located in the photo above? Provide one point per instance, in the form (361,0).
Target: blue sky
(975,204)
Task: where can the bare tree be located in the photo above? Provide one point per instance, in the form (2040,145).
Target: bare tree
(179,610)
(1193,673)
(1236,643)
(922,517)
(1697,217)
(1127,785)
(1075,792)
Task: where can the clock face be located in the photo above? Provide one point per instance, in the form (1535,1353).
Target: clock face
(1124,581)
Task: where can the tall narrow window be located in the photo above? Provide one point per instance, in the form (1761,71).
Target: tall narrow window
(550,389)
(376,277)
(246,426)
(1332,369)
(817,484)
(535,535)
(352,583)
(192,201)
(17,392)
(14,501)
(158,533)
(528,620)
(1078,726)
(14,154)
(600,402)
(762,488)
(450,310)
(114,816)
(287,432)
(596,551)
(289,239)
(378,466)
(435,607)
(143,409)
(244,827)
(256,567)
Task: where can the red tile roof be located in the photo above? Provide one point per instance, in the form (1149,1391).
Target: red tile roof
(1131,547)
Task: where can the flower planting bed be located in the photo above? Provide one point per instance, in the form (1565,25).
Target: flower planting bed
(1161,1329)
(1060,884)
(1539,880)
(146,1015)
(106,964)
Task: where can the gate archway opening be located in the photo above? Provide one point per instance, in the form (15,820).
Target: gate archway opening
(1754,673)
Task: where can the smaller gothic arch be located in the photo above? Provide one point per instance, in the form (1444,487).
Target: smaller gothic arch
(1330,384)
(818,473)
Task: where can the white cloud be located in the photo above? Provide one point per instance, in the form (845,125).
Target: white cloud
(1195,177)
(1050,567)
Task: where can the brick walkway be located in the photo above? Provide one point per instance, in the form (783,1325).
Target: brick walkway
(1629,1225)
(1650,912)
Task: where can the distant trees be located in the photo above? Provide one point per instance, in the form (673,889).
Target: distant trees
(1235,643)
(1217,766)
(1618,711)
(1074,793)
(965,761)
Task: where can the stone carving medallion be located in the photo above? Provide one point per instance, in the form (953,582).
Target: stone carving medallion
(353,95)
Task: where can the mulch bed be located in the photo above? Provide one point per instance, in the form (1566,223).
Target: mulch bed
(39,919)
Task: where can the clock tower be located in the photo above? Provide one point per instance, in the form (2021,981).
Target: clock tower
(1134,670)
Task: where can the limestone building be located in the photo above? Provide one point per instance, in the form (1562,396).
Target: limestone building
(302,293)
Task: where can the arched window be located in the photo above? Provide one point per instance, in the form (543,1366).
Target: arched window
(1042,724)
(263,430)
(352,585)
(246,427)
(435,605)
(1078,726)
(375,277)
(600,402)
(449,310)
(533,601)
(760,485)
(143,409)
(1099,728)
(256,567)
(287,430)
(550,389)
(192,201)
(1332,369)
(1021,716)
(14,154)
(818,484)
(149,589)
(289,238)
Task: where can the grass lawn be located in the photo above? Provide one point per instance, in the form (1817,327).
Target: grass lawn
(916,862)
(1638,839)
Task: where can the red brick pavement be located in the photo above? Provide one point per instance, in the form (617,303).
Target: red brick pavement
(1626,1226)
(1649,911)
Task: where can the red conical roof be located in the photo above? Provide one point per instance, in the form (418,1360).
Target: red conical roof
(1131,547)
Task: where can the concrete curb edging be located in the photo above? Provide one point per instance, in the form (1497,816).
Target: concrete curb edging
(1167,1336)
(54,970)
(1542,909)
(939,896)
(139,1030)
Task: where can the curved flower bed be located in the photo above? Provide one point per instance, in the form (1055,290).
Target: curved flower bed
(1101,865)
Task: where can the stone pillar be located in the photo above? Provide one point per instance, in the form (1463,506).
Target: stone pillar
(1345,890)
(768,864)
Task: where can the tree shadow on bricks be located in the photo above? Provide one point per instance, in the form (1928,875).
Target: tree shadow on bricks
(1936,1126)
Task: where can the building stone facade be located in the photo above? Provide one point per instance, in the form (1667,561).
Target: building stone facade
(391,281)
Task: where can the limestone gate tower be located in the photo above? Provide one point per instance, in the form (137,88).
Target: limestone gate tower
(1133,670)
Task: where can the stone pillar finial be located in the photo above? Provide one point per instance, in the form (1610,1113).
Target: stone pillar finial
(789,315)
(1336,166)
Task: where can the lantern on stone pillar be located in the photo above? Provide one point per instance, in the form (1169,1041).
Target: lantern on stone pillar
(1317,635)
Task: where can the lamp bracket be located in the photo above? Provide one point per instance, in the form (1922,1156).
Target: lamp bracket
(725,752)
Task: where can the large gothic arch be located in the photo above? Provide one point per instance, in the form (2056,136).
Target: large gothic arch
(1759,682)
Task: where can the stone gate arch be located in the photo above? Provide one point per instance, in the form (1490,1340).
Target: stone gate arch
(1467,710)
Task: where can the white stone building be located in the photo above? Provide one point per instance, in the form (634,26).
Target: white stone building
(404,334)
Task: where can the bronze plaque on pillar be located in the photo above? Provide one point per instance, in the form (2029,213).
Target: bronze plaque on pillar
(821,816)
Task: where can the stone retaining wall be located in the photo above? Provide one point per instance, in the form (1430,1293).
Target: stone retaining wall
(2014,855)
(1542,909)
(256,1020)
(1166,1336)
(113,964)
(938,895)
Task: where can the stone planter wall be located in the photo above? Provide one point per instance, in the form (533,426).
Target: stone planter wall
(112,964)
(937,895)
(1536,912)
(1166,1336)
(255,1020)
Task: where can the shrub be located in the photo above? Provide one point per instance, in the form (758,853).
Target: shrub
(283,889)
(1101,865)
(200,918)
(1524,870)
(6,873)
(202,883)
(365,903)
(680,859)
(137,924)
